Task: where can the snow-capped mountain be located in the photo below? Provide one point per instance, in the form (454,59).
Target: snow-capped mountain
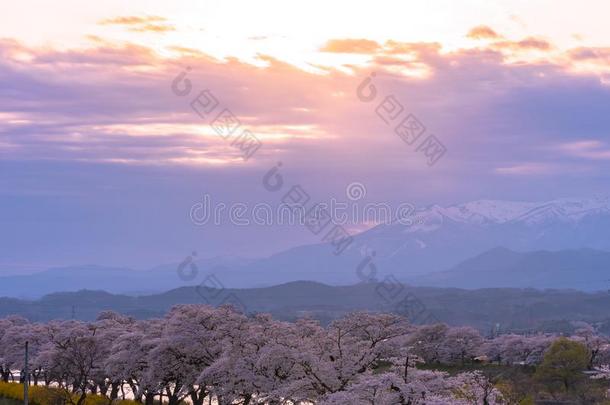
(440,237)
(437,240)
(490,212)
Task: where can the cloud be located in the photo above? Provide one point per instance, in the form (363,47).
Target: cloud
(420,49)
(499,42)
(76,108)
(104,54)
(141,23)
(586,53)
(483,32)
(528,169)
(587,149)
(133,20)
(113,103)
(364,46)
(153,28)
(527,44)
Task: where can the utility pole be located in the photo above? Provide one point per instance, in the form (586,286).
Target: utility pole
(26,371)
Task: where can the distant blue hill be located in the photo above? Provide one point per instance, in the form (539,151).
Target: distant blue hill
(582,269)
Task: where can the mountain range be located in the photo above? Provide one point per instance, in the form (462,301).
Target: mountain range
(455,245)
(508,309)
(582,269)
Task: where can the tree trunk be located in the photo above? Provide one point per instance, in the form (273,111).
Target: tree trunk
(198,398)
(81,399)
(114,391)
(138,394)
(172,398)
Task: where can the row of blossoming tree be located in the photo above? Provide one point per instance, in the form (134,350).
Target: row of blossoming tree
(199,353)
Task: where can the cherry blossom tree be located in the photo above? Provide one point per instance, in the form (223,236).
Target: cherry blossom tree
(428,342)
(257,364)
(193,338)
(13,344)
(475,388)
(517,349)
(6,359)
(331,358)
(423,387)
(461,344)
(109,327)
(198,353)
(129,359)
(595,343)
(72,356)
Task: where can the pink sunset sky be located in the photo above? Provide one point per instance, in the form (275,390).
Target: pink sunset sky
(100,160)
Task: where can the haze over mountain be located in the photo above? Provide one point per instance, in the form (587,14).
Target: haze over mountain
(110,279)
(438,239)
(582,269)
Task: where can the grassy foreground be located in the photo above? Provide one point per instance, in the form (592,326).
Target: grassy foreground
(7,401)
(12,394)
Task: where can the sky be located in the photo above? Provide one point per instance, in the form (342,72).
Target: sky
(103,156)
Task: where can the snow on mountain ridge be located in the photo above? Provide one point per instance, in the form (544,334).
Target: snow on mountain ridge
(489,212)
